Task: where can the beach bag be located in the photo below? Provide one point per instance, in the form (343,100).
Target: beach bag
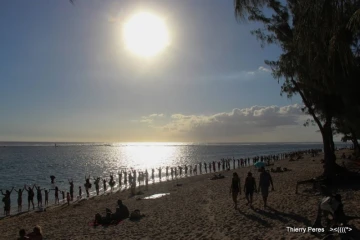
(135,215)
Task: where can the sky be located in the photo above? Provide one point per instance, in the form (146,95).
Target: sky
(66,75)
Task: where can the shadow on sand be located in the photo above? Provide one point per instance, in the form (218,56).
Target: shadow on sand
(255,219)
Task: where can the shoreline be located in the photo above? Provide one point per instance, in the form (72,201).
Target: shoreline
(127,187)
(198,209)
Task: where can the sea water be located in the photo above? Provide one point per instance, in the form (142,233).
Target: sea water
(33,163)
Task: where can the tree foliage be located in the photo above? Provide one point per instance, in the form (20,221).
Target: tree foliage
(320,57)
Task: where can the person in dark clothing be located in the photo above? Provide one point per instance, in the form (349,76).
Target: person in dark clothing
(121,212)
(235,188)
(264,184)
(249,188)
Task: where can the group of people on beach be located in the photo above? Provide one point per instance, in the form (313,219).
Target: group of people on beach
(250,187)
(36,234)
(133,176)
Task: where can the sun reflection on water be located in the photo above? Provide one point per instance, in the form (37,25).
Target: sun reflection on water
(150,155)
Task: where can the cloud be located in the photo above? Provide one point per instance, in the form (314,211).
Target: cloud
(264,69)
(255,120)
(150,119)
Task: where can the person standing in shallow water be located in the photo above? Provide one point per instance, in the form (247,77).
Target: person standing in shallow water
(30,196)
(7,201)
(39,195)
(71,189)
(87,185)
(235,189)
(97,182)
(19,200)
(264,184)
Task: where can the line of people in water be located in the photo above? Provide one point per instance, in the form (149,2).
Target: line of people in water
(132,177)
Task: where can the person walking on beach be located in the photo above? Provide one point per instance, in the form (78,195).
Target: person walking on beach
(249,188)
(7,201)
(264,184)
(235,189)
(19,200)
(71,189)
(30,196)
(167,171)
(205,166)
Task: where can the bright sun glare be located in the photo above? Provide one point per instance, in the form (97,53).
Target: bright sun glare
(145,34)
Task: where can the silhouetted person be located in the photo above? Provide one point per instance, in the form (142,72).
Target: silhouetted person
(235,189)
(264,184)
(52,179)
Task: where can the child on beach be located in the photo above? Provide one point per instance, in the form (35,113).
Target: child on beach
(249,188)
(46,197)
(235,189)
(19,200)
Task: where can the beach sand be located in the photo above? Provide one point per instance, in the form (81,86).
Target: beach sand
(198,209)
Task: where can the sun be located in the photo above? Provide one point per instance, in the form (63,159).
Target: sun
(145,34)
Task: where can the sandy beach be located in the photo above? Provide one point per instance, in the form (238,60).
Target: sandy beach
(196,208)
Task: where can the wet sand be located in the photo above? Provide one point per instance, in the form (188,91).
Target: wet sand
(198,208)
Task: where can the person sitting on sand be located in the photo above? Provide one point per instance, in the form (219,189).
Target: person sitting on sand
(19,200)
(22,235)
(235,189)
(249,187)
(36,234)
(264,184)
(122,212)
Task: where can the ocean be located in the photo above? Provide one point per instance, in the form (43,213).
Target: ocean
(29,163)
